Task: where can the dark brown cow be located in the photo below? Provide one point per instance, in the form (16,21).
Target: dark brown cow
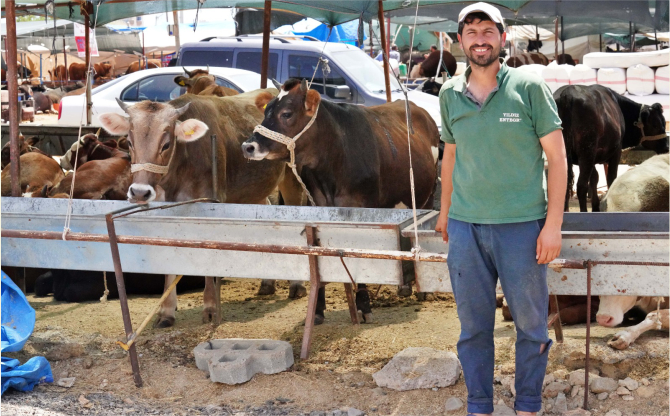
(352,156)
(429,66)
(77,72)
(166,135)
(137,66)
(572,309)
(565,58)
(527,59)
(25,146)
(90,148)
(37,170)
(206,85)
(183,81)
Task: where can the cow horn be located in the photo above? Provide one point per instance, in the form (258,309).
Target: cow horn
(181,110)
(186,71)
(276,84)
(303,85)
(97,133)
(125,107)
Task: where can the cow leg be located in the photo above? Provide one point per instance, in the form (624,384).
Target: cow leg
(210,311)
(624,338)
(290,189)
(320,315)
(267,287)
(613,169)
(363,304)
(585,169)
(296,290)
(568,190)
(169,306)
(593,189)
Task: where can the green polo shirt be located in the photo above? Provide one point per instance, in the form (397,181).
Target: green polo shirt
(499,171)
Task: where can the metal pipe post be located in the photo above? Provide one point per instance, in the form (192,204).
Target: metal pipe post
(87,9)
(125,311)
(13,89)
(315,284)
(382,32)
(215,172)
(67,71)
(589,267)
(655,39)
(177,43)
(600,42)
(372,50)
(630,35)
(267,16)
(556,39)
(562,38)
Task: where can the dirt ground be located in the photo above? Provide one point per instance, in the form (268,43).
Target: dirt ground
(80,339)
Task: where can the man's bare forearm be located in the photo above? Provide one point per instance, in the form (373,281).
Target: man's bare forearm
(558,177)
(448,160)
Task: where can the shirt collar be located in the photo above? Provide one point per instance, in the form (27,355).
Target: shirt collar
(462,85)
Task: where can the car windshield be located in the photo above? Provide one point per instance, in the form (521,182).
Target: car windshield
(368,73)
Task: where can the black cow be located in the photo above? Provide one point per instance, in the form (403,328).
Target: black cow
(42,102)
(597,124)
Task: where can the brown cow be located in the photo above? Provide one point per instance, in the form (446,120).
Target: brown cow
(206,85)
(527,59)
(565,58)
(102,70)
(37,170)
(166,135)
(25,146)
(90,148)
(428,68)
(96,179)
(77,72)
(137,66)
(572,309)
(182,81)
(58,74)
(352,156)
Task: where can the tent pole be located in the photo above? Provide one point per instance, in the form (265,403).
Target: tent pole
(388,36)
(67,71)
(562,38)
(176,33)
(382,30)
(86,10)
(556,40)
(600,41)
(372,52)
(13,89)
(655,39)
(630,34)
(267,16)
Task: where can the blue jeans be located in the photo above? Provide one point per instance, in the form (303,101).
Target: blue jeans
(479,254)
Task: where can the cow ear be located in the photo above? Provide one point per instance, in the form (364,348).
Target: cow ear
(180,80)
(262,100)
(312,101)
(115,124)
(190,130)
(32,141)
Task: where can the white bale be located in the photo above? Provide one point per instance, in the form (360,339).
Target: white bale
(662,80)
(583,75)
(640,80)
(626,59)
(663,99)
(556,75)
(533,69)
(613,78)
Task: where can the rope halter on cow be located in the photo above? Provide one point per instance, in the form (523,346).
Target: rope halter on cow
(640,125)
(289,142)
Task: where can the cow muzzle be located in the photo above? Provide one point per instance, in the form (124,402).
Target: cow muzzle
(607,320)
(252,150)
(139,193)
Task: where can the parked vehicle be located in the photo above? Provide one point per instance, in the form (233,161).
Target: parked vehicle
(151,84)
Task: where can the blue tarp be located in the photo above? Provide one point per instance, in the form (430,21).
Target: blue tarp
(18,322)
(344,33)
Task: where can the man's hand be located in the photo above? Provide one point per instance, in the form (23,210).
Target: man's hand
(548,244)
(442,225)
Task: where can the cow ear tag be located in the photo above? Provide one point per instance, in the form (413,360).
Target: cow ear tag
(265,106)
(181,83)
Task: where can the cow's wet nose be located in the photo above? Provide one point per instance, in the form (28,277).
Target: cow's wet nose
(141,193)
(604,320)
(249,148)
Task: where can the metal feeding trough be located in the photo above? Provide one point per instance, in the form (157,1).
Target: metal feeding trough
(373,229)
(600,237)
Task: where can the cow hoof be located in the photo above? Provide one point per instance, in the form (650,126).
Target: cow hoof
(319,319)
(619,342)
(405,291)
(297,292)
(425,297)
(164,322)
(266,290)
(364,318)
(208,315)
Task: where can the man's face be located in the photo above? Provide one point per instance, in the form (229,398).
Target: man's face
(482,42)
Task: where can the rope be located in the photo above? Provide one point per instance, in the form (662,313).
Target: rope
(106,292)
(325,61)
(290,145)
(149,167)
(68,215)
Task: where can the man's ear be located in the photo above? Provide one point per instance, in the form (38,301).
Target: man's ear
(263,99)
(115,124)
(190,130)
(312,101)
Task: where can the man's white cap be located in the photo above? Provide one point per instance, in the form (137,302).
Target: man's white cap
(486,8)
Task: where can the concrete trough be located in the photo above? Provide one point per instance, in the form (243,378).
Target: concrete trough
(605,236)
(374,229)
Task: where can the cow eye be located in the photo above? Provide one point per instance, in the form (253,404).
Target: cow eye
(288,114)
(165,146)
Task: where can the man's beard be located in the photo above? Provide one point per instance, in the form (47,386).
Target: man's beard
(483,61)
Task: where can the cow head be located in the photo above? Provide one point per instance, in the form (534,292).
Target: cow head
(654,124)
(183,81)
(25,146)
(287,114)
(153,130)
(612,308)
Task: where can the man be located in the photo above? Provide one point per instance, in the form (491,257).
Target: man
(433,48)
(393,54)
(496,121)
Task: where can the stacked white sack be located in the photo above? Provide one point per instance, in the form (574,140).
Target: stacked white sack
(583,75)
(640,80)
(556,75)
(533,69)
(662,79)
(613,78)
(626,59)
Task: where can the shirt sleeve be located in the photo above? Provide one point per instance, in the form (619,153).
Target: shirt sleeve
(447,135)
(543,110)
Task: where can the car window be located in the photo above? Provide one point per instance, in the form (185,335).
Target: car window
(225,83)
(211,58)
(300,66)
(251,61)
(155,88)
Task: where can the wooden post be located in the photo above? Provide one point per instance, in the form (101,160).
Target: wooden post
(13,89)
(177,42)
(86,10)
(267,16)
(562,38)
(372,50)
(382,30)
(315,284)
(67,71)
(556,40)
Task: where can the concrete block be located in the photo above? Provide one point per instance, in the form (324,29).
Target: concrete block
(235,361)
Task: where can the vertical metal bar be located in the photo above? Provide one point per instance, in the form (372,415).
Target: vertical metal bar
(600,42)
(555,40)
(589,267)
(655,39)
(177,43)
(315,284)
(87,40)
(372,51)
(382,30)
(630,35)
(267,16)
(67,71)
(13,89)
(562,38)
(123,299)
(353,313)
(215,171)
